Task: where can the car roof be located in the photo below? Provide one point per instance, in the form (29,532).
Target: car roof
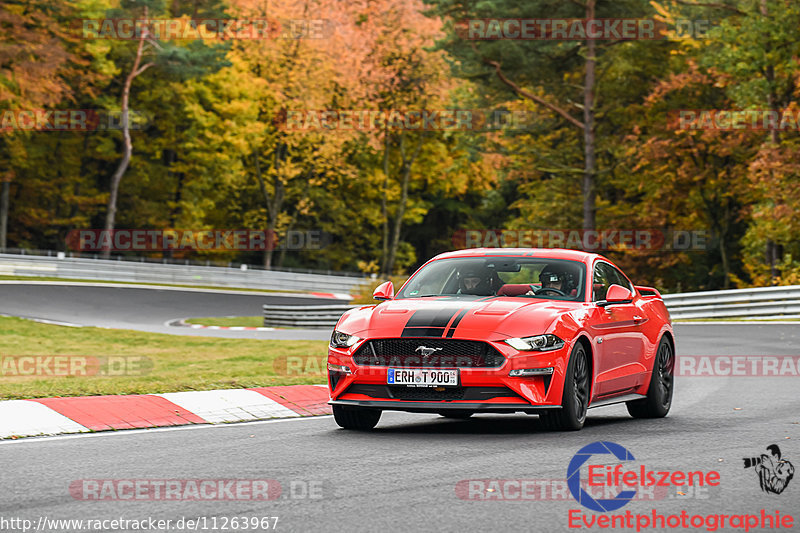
(550,253)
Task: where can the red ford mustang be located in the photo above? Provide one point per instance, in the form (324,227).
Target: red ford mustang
(497,330)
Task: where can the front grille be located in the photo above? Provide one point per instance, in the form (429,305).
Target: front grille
(451,353)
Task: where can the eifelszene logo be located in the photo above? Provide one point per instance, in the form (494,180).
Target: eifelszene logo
(774,473)
(609,478)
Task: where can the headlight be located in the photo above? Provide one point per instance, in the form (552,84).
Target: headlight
(539,343)
(343,340)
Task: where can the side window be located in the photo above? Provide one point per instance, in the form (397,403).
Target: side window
(605,276)
(601,281)
(622,280)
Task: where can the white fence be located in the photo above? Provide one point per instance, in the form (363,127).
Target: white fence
(765,302)
(141,272)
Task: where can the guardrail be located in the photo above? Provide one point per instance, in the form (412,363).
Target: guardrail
(63,267)
(767,302)
(304,316)
(764,302)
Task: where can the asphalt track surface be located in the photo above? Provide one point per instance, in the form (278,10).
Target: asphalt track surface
(147,309)
(403,475)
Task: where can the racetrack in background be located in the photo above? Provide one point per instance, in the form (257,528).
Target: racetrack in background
(148,309)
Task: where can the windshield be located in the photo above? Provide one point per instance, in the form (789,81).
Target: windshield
(522,277)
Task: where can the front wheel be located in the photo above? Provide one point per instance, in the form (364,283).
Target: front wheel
(572,414)
(357,418)
(662,383)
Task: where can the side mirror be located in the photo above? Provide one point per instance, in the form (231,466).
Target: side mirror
(385,291)
(617,294)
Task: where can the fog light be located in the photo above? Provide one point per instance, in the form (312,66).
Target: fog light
(525,372)
(339,368)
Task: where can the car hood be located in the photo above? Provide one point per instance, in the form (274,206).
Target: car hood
(500,317)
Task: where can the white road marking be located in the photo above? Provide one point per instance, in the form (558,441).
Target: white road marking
(158,430)
(229,405)
(26,418)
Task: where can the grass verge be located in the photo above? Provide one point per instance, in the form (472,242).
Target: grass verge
(229,321)
(177,363)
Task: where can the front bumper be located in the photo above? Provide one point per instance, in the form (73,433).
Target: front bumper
(439,406)
(489,390)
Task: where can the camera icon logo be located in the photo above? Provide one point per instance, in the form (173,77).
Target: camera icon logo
(774,472)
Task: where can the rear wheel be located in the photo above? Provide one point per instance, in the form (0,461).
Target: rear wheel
(662,383)
(457,414)
(356,417)
(575,402)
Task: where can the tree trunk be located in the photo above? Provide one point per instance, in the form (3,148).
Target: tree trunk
(588,128)
(772,248)
(398,222)
(4,205)
(384,207)
(282,254)
(127,147)
(405,171)
(274,203)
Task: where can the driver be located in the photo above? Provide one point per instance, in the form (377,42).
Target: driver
(552,277)
(477,281)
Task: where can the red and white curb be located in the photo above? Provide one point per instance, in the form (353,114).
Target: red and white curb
(53,416)
(181,322)
(335,295)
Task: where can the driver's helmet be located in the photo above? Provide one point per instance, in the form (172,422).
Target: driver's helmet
(477,281)
(556,277)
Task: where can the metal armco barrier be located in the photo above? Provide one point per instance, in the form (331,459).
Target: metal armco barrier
(765,302)
(304,316)
(132,271)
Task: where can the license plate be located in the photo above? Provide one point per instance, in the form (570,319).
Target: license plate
(422,377)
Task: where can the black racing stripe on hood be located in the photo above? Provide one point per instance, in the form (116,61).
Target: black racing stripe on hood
(454,325)
(436,318)
(422,332)
(429,322)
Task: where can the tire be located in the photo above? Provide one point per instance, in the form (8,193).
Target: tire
(575,402)
(662,385)
(357,418)
(457,414)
